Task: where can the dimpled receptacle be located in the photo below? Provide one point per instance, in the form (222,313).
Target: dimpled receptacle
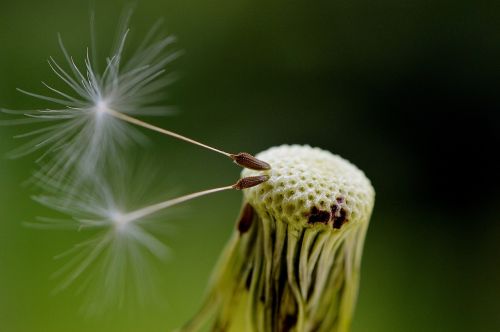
(309,186)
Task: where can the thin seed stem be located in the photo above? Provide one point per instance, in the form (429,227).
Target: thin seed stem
(146,125)
(148,210)
(241,184)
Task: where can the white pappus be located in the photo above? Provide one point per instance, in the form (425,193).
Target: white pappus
(88,127)
(113,265)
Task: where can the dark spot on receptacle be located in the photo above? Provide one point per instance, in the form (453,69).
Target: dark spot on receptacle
(334,208)
(340,218)
(340,199)
(246,218)
(317,215)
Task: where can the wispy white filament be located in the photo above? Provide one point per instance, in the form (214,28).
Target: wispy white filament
(83,133)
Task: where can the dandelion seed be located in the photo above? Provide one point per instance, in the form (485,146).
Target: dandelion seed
(91,123)
(121,245)
(293,262)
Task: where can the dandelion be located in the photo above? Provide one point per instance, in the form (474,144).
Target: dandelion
(293,263)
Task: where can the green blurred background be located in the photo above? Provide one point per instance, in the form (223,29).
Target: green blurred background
(406,90)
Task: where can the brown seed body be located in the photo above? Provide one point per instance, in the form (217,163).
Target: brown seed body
(250,181)
(248,161)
